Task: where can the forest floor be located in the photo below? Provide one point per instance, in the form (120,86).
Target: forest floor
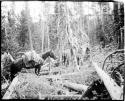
(32,86)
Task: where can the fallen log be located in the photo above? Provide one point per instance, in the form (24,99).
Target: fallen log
(75,87)
(114,90)
(5,85)
(10,90)
(70,85)
(59,97)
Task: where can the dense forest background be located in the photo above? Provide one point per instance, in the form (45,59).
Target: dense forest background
(103,26)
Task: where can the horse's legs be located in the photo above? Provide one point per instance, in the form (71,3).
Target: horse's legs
(67,61)
(64,59)
(77,60)
(36,71)
(39,69)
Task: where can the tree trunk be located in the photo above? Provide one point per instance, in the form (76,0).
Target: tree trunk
(114,90)
(30,37)
(28,24)
(48,38)
(43,28)
(72,40)
(42,37)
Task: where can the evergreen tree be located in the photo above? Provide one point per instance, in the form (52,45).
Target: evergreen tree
(23,37)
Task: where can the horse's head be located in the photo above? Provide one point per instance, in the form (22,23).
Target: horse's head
(51,54)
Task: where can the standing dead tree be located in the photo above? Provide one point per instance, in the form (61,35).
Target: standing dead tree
(28,24)
(72,40)
(42,27)
(73,37)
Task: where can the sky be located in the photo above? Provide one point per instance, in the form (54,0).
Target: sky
(36,8)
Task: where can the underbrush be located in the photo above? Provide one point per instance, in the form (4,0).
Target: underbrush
(99,54)
(31,86)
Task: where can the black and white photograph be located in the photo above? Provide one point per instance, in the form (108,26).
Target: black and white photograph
(63,50)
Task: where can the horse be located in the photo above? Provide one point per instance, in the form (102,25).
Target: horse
(39,62)
(6,60)
(16,67)
(49,53)
(20,63)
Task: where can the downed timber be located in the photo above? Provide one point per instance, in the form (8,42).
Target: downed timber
(75,87)
(10,90)
(59,97)
(5,85)
(70,85)
(114,90)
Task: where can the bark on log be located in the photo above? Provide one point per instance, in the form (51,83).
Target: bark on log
(115,91)
(10,90)
(60,97)
(76,87)
(5,85)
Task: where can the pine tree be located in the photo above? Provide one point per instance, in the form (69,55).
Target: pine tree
(24,37)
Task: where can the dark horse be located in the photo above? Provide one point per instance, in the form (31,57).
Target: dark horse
(47,54)
(17,65)
(44,56)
